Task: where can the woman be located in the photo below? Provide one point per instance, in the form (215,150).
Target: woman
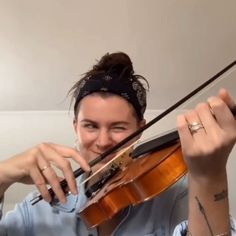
(109,104)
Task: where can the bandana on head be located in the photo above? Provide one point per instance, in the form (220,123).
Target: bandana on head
(129,89)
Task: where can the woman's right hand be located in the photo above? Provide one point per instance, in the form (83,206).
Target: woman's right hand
(34,166)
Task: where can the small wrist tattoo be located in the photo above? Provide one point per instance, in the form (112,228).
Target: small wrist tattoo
(220,196)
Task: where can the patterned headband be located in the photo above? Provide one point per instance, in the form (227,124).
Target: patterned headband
(130,89)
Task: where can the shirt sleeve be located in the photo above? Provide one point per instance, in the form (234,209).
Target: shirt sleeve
(181,229)
(14,221)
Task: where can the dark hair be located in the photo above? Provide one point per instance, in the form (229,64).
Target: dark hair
(119,65)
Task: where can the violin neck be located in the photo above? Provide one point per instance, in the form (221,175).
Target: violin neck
(156,144)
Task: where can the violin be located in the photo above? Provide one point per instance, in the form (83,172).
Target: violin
(156,165)
(153,167)
(161,164)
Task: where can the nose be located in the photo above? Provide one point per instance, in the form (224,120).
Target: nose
(104,140)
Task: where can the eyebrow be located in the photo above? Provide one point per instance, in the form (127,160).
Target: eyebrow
(113,123)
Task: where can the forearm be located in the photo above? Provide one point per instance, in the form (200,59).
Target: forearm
(4,184)
(209,206)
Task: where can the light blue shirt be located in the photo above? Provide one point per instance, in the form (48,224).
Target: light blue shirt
(158,216)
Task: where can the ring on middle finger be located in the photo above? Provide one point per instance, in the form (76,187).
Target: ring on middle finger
(195,126)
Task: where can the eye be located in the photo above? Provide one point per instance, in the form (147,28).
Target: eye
(119,128)
(90,126)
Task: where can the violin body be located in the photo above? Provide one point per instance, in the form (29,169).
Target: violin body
(141,180)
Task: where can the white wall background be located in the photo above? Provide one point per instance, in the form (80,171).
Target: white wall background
(46,44)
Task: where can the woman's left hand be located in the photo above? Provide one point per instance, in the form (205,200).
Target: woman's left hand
(206,149)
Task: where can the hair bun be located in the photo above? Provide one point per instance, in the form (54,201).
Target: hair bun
(118,62)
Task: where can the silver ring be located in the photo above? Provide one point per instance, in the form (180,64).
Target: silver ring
(44,168)
(194,127)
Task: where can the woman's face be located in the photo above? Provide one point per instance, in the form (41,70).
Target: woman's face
(102,122)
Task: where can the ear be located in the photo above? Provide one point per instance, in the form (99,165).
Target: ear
(75,124)
(141,124)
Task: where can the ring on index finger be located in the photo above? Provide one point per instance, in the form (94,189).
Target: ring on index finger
(195,126)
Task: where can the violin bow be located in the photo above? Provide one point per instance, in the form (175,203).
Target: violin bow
(80,171)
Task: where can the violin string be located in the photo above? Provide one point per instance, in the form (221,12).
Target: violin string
(122,152)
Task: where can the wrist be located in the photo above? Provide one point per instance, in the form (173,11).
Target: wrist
(209,181)
(208,203)
(212,189)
